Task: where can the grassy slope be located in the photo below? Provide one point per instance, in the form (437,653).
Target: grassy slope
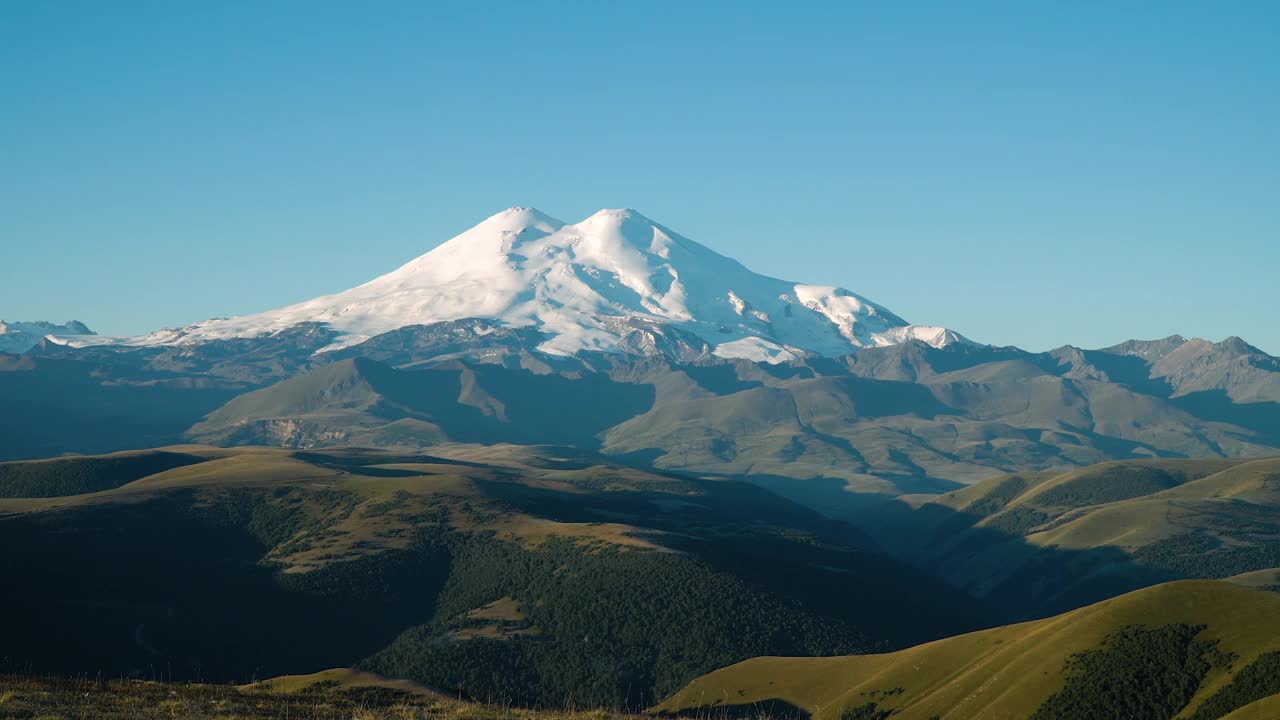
(960,426)
(1191,504)
(1266,579)
(79,475)
(1051,541)
(402,558)
(340,677)
(338,694)
(874,435)
(1264,709)
(1006,672)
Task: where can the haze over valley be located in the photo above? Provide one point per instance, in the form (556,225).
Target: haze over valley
(595,361)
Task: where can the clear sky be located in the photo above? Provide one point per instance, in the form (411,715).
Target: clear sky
(1029,173)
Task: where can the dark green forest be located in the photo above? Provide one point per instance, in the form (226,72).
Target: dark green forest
(73,476)
(179,586)
(1138,673)
(1257,680)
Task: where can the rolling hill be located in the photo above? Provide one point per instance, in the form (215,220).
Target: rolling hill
(1195,650)
(1049,541)
(536,575)
(336,694)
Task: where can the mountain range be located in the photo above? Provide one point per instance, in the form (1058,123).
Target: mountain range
(601,465)
(618,334)
(19,337)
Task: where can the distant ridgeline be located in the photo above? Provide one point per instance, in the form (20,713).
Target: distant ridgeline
(619,334)
(908,418)
(1034,544)
(513,469)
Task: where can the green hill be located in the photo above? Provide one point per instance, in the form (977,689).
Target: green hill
(78,475)
(1050,541)
(540,576)
(1267,708)
(1196,650)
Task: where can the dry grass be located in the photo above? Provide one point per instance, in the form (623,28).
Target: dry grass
(1004,672)
(391,497)
(388,499)
(343,697)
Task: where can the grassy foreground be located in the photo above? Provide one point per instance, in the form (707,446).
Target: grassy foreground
(544,577)
(330,695)
(1193,650)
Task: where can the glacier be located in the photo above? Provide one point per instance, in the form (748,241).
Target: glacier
(584,287)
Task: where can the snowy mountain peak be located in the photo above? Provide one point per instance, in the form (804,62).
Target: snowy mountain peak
(592,285)
(19,337)
(517,218)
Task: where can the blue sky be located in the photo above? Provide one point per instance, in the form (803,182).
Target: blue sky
(1027,173)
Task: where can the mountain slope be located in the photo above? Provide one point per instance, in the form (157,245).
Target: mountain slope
(18,337)
(72,403)
(542,576)
(967,415)
(365,402)
(1045,542)
(1267,708)
(600,284)
(1171,650)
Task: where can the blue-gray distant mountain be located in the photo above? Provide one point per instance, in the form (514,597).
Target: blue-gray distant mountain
(619,335)
(19,337)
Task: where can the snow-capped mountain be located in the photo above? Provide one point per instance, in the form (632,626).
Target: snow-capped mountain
(590,285)
(19,337)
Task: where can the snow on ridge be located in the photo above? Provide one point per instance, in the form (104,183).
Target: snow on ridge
(19,337)
(522,267)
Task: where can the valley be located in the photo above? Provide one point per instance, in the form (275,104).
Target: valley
(1042,543)
(540,576)
(829,431)
(552,466)
(553,577)
(639,361)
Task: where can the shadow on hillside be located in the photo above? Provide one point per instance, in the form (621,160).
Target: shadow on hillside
(169,589)
(490,404)
(718,379)
(557,410)
(1129,370)
(362,460)
(831,497)
(54,405)
(678,507)
(750,533)
(1019,580)
(1261,417)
